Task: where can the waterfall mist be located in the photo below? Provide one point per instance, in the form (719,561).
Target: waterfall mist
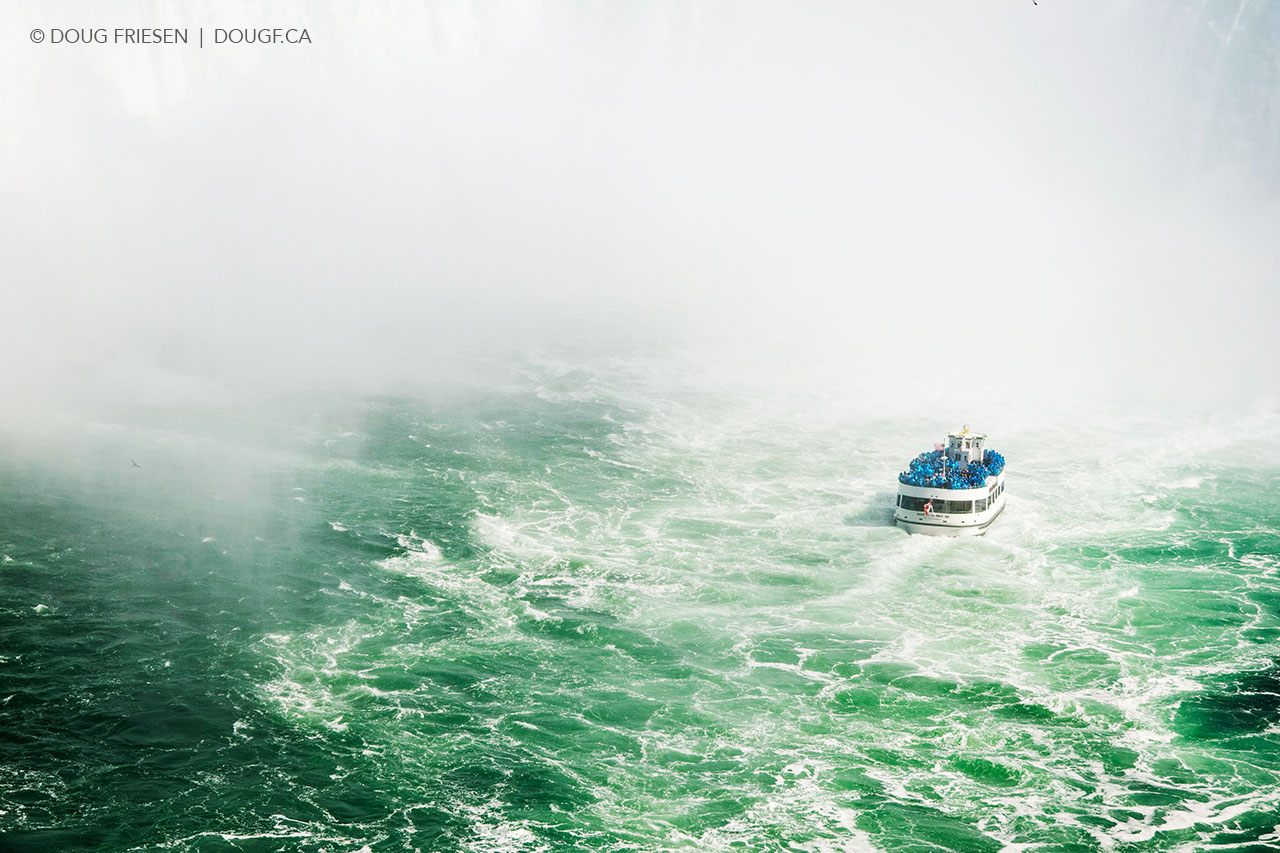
(1052,200)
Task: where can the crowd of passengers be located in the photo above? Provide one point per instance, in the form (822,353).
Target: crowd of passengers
(931,470)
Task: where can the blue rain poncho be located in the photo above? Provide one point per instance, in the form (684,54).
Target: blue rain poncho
(928,471)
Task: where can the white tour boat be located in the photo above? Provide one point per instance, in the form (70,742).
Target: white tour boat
(953,491)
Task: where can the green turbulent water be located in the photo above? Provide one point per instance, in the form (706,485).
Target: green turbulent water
(588,609)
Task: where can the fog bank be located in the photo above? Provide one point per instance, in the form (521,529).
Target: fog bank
(1043,199)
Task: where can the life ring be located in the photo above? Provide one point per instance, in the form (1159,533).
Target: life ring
(928,508)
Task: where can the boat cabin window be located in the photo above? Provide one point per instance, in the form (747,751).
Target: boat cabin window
(939,505)
(980,505)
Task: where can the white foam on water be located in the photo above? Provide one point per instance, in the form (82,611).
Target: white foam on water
(501,535)
(416,544)
(1267,563)
(1206,813)
(490,832)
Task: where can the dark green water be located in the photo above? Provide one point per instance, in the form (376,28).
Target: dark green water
(579,611)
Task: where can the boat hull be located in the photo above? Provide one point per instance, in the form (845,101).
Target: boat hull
(933,528)
(939,522)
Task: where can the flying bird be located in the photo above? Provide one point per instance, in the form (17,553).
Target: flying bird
(135,464)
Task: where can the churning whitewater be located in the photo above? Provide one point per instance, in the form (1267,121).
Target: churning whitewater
(583,609)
